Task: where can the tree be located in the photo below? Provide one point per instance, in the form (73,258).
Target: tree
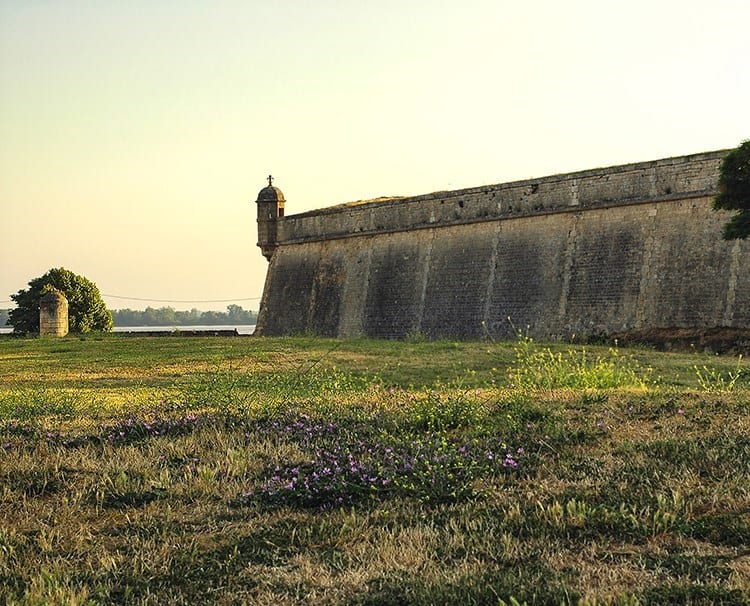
(235,314)
(734,192)
(86,310)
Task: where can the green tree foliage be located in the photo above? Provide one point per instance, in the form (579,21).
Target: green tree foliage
(4,315)
(734,192)
(86,310)
(167,316)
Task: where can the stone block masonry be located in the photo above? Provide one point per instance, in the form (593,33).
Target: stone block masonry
(595,252)
(53,314)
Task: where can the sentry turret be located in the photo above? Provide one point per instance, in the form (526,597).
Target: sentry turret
(270,208)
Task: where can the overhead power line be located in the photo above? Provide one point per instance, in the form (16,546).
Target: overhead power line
(181,301)
(172,300)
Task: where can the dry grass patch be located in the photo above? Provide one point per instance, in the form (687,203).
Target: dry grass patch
(191,471)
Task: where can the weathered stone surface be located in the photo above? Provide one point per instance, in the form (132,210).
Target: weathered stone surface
(609,250)
(53,314)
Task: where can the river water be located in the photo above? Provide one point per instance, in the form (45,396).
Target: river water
(243,329)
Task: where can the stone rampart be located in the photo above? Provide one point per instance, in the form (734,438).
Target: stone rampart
(593,252)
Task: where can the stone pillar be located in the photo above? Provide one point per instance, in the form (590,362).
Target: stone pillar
(53,314)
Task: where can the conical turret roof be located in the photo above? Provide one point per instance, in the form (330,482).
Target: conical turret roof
(270,193)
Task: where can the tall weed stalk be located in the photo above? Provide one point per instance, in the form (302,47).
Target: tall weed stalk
(540,368)
(712,380)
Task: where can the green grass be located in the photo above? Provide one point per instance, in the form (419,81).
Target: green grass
(293,471)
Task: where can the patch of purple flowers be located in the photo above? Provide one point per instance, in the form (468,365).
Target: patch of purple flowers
(14,434)
(135,429)
(346,467)
(17,434)
(292,426)
(333,477)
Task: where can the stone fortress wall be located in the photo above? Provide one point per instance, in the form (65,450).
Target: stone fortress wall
(601,251)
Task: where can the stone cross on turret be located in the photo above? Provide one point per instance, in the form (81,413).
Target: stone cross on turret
(270,208)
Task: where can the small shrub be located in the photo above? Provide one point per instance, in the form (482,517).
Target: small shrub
(437,412)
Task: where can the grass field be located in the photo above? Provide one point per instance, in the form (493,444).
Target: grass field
(176,470)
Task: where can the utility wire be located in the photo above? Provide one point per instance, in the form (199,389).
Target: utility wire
(181,301)
(172,300)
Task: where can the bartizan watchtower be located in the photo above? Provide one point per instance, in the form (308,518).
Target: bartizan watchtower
(270,208)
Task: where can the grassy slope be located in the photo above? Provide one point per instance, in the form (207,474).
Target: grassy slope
(141,470)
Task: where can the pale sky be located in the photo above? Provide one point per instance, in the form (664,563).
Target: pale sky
(135,136)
